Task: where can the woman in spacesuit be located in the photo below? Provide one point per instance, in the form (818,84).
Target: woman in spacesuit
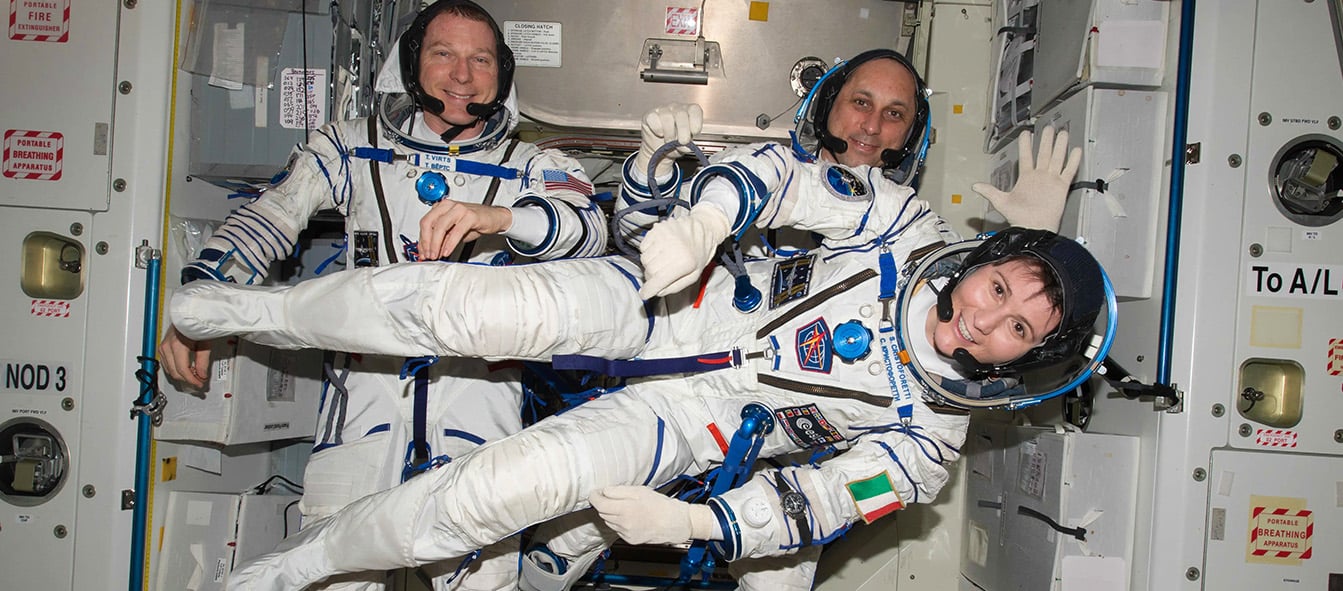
(708,358)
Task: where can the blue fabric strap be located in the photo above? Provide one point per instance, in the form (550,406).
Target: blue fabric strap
(630,368)
(420,418)
(438,162)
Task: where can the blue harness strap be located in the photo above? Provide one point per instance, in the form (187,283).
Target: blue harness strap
(437,162)
(756,422)
(630,368)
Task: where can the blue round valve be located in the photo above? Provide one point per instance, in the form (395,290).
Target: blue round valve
(432,187)
(853,341)
(745,297)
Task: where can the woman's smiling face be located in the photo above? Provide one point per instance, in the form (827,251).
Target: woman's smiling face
(1000,311)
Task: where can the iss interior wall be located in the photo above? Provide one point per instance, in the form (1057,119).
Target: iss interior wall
(72,87)
(1249,58)
(597,85)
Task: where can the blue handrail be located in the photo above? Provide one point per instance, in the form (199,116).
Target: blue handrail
(1176,205)
(148,390)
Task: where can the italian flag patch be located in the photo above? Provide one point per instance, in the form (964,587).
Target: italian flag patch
(875,497)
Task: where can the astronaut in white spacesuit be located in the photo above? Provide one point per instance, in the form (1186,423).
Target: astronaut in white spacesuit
(818,348)
(871,109)
(431,176)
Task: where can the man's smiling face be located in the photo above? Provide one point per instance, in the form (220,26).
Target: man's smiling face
(873,112)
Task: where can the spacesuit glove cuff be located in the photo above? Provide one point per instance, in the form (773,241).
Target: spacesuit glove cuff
(635,171)
(703,524)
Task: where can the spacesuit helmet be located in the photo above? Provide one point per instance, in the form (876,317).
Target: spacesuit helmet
(1065,358)
(400,93)
(1077,274)
(813,133)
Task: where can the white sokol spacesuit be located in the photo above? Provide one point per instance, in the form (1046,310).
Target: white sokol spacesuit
(376,428)
(657,428)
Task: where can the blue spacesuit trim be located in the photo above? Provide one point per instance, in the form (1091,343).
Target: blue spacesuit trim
(657,457)
(338,195)
(751,191)
(458,433)
(882,239)
(379,428)
(671,188)
(552,215)
(648,305)
(198,270)
(730,546)
(339,249)
(280,244)
(894,458)
(832,537)
(774,343)
(633,368)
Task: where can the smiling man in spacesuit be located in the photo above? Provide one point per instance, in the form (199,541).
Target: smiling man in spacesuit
(784,355)
(431,176)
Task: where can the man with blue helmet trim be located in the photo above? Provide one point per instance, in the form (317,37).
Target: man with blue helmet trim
(432,176)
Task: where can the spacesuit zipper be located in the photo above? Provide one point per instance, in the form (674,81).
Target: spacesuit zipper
(816,300)
(823,391)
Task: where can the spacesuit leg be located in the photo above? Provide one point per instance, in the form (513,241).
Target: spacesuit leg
(495,568)
(628,437)
(522,312)
(792,572)
(360,441)
(472,402)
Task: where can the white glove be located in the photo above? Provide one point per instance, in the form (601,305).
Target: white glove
(677,249)
(675,122)
(642,515)
(1042,185)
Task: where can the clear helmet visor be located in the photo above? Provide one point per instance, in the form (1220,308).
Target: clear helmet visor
(1028,388)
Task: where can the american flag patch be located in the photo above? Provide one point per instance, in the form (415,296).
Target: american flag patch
(557,180)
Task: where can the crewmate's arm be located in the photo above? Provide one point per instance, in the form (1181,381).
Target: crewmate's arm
(554,215)
(779,511)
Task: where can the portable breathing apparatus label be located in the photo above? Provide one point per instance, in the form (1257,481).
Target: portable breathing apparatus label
(1289,280)
(537,44)
(39,20)
(36,377)
(33,155)
(1281,531)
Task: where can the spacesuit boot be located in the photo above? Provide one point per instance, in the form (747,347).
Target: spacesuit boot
(573,543)
(304,563)
(542,570)
(327,312)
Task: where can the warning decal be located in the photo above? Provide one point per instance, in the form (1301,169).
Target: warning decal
(1275,438)
(682,21)
(50,308)
(39,20)
(33,155)
(1335,357)
(1280,530)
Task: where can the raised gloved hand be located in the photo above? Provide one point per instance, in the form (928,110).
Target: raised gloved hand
(675,122)
(642,515)
(677,249)
(1042,185)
